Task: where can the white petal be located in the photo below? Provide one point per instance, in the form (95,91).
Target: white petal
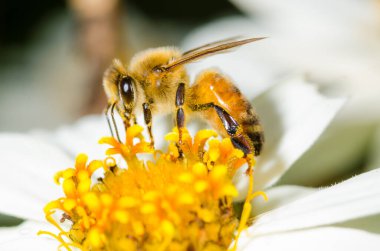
(326,239)
(27,169)
(279,196)
(80,137)
(24,237)
(294,115)
(351,199)
(31,243)
(83,135)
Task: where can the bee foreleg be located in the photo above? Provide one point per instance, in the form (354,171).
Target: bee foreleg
(114,122)
(108,119)
(134,119)
(180,116)
(148,121)
(231,126)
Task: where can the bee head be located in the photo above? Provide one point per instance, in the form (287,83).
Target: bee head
(148,67)
(120,87)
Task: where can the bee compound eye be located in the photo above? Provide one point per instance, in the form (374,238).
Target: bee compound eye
(126,90)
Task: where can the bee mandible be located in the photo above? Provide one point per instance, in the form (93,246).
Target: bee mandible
(155,81)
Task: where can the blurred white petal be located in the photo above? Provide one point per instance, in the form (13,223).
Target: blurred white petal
(325,238)
(332,46)
(279,196)
(27,169)
(308,12)
(351,199)
(30,243)
(294,115)
(81,136)
(334,43)
(246,65)
(24,237)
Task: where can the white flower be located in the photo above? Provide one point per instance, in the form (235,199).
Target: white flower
(298,218)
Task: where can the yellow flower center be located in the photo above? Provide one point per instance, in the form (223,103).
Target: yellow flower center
(167,203)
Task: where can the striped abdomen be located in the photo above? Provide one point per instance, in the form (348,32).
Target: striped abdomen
(239,121)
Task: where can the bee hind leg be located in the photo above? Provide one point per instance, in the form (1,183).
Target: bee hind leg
(231,126)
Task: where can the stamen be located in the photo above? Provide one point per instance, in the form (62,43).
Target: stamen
(172,203)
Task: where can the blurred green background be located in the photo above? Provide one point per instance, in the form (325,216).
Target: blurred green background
(50,50)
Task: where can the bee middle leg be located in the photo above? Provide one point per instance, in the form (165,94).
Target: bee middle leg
(231,126)
(180,115)
(127,116)
(148,121)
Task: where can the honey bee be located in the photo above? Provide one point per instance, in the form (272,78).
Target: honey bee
(155,81)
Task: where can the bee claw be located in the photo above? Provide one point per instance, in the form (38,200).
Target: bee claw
(180,151)
(151,144)
(241,143)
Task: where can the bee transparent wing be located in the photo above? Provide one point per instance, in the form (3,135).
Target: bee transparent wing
(208,50)
(212,44)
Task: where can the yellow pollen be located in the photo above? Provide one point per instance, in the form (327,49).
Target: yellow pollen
(200,186)
(170,203)
(148,208)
